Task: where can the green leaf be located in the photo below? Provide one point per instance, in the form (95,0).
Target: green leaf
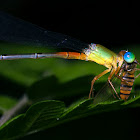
(39,116)
(53,89)
(46,114)
(6,103)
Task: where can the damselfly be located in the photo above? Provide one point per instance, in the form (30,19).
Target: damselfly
(19,31)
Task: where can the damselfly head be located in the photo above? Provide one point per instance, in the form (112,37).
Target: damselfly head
(129,57)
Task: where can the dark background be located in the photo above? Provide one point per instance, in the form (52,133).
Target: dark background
(112,24)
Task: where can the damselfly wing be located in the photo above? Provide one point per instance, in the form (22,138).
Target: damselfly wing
(105,93)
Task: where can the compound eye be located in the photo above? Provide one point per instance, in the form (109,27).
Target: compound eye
(129,57)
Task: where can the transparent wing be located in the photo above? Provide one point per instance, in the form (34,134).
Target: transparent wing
(18,31)
(106,93)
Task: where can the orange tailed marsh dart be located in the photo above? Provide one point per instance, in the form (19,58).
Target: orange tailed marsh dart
(19,31)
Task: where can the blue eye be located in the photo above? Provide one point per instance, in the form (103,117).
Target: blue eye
(129,57)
